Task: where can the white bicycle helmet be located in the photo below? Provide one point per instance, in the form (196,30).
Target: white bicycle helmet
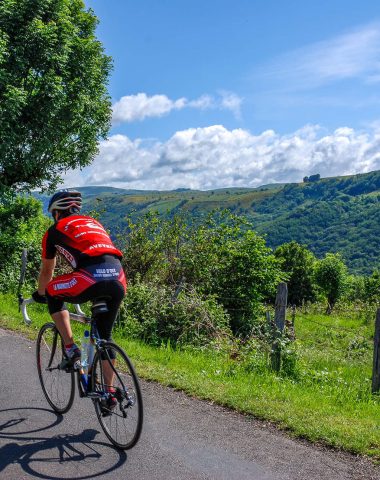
(66,200)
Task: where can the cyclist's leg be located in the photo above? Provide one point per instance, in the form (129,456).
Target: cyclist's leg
(70,288)
(105,321)
(62,322)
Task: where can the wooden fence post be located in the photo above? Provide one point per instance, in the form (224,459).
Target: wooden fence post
(279,323)
(376,355)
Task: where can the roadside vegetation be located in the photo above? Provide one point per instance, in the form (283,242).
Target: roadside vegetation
(322,392)
(194,319)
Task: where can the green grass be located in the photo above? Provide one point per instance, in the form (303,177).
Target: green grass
(326,398)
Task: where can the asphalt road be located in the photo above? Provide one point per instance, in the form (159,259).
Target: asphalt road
(183,438)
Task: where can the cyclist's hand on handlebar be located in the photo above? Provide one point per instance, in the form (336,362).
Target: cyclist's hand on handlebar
(39,298)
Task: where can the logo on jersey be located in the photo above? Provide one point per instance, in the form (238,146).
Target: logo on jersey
(106,273)
(67,255)
(94,225)
(65,285)
(101,245)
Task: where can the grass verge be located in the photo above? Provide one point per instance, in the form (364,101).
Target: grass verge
(327,399)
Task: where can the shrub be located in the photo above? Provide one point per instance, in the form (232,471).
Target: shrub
(150,313)
(331,277)
(219,256)
(298,263)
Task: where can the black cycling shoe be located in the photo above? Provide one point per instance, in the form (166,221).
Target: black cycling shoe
(107,406)
(72,362)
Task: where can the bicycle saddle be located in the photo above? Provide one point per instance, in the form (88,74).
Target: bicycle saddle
(99,305)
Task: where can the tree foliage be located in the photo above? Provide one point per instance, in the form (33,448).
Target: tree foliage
(298,263)
(339,214)
(331,277)
(219,257)
(54,106)
(22,226)
(372,288)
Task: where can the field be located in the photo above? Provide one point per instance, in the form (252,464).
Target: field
(323,394)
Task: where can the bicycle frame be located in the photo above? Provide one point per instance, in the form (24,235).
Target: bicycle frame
(79,316)
(119,398)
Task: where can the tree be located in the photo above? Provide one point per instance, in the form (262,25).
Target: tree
(298,263)
(372,288)
(224,258)
(54,105)
(331,277)
(314,178)
(22,226)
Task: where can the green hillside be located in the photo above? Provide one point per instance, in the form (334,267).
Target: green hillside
(340,214)
(194,203)
(332,215)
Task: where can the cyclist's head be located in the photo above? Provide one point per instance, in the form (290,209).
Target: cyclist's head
(65,202)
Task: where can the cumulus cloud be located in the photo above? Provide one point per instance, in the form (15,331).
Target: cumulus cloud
(215,157)
(133,108)
(138,107)
(355,54)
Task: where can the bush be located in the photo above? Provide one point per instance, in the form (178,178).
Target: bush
(331,277)
(298,263)
(372,288)
(220,256)
(150,312)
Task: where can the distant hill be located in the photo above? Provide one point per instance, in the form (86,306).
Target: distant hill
(339,214)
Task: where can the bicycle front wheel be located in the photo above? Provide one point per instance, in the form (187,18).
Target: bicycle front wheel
(120,408)
(57,385)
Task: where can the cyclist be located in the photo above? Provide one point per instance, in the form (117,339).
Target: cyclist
(97,272)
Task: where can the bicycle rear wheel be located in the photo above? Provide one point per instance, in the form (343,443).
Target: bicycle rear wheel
(57,385)
(120,410)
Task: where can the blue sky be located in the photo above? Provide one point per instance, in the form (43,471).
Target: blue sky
(223,93)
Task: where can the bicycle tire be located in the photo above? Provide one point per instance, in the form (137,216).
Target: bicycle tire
(58,386)
(123,424)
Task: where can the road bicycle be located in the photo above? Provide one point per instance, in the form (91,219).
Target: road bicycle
(119,406)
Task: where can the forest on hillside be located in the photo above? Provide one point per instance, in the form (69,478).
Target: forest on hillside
(338,215)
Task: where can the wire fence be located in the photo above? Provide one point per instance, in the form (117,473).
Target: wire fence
(348,341)
(337,329)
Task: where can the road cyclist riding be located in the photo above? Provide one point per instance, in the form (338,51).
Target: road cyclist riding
(103,370)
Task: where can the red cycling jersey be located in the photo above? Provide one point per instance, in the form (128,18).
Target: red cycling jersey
(77,238)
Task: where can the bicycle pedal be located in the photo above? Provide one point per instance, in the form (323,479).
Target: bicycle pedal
(77,365)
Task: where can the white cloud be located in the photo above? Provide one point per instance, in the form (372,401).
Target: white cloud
(133,108)
(138,107)
(352,55)
(204,102)
(215,157)
(231,101)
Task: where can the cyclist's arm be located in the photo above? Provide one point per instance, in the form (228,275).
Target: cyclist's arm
(46,274)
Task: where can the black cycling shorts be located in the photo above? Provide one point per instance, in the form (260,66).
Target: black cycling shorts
(102,277)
